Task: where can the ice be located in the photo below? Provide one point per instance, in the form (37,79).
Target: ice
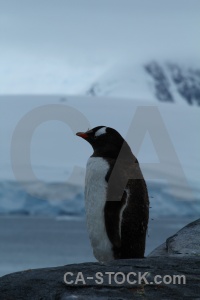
(59,157)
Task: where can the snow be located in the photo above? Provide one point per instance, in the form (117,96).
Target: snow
(163,80)
(51,48)
(123,81)
(59,158)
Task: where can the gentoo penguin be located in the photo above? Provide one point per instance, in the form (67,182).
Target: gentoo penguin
(117,222)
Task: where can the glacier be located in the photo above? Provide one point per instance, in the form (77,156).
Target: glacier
(56,153)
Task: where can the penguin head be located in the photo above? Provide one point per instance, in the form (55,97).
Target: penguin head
(103,139)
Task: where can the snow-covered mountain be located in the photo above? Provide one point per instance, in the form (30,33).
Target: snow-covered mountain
(165,82)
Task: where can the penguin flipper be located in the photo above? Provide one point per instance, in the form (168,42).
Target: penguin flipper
(112,214)
(127,220)
(135,221)
(112,211)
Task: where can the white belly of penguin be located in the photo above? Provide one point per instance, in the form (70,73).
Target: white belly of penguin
(95,199)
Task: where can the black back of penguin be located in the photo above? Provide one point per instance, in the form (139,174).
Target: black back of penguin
(126,219)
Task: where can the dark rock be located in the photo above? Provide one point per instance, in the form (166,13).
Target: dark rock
(187,82)
(48,284)
(186,242)
(159,251)
(162,85)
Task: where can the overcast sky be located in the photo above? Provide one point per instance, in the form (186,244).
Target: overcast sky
(50,46)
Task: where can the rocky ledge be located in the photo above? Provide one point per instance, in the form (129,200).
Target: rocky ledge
(118,279)
(186,242)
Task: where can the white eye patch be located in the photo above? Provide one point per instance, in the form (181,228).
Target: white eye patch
(100,131)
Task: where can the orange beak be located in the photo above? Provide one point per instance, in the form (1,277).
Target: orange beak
(82,134)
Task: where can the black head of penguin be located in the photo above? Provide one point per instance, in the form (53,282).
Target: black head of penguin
(106,141)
